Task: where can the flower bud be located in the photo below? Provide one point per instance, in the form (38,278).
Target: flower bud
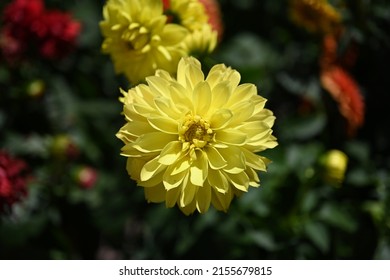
(335,164)
(86,177)
(36,88)
(63,147)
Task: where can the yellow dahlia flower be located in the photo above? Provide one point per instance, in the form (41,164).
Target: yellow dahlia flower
(191,140)
(138,38)
(315,15)
(201,42)
(191,14)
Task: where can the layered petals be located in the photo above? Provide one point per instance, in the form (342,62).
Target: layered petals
(191,141)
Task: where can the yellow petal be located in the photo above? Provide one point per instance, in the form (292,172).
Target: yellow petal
(155,194)
(243,92)
(216,161)
(220,119)
(254,180)
(188,209)
(167,108)
(218,181)
(134,166)
(150,169)
(181,72)
(201,98)
(164,124)
(254,161)
(165,75)
(221,201)
(136,128)
(173,181)
(235,160)
(171,152)
(154,141)
(165,53)
(194,74)
(215,75)
(142,109)
(230,136)
(240,181)
(179,94)
(220,95)
(242,112)
(172,196)
(158,85)
(262,144)
(255,130)
(173,34)
(199,169)
(129,151)
(203,198)
(187,193)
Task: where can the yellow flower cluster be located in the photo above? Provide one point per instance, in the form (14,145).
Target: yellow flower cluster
(140,39)
(192,140)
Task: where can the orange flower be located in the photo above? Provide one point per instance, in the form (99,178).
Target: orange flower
(329,51)
(316,16)
(346,93)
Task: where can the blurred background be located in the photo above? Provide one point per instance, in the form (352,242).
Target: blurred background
(64,189)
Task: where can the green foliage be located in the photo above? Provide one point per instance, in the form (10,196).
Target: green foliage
(295,214)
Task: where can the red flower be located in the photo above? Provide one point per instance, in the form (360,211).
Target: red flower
(330,52)
(346,93)
(23,12)
(20,18)
(59,34)
(29,27)
(13,180)
(339,83)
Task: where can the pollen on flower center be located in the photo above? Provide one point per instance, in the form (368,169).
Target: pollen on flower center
(195,130)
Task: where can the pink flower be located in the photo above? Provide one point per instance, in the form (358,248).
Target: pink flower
(86,177)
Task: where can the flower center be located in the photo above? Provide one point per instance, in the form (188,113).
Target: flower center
(196,131)
(137,36)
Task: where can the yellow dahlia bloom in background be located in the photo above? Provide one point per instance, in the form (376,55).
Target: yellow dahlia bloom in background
(315,15)
(139,39)
(191,140)
(202,41)
(191,14)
